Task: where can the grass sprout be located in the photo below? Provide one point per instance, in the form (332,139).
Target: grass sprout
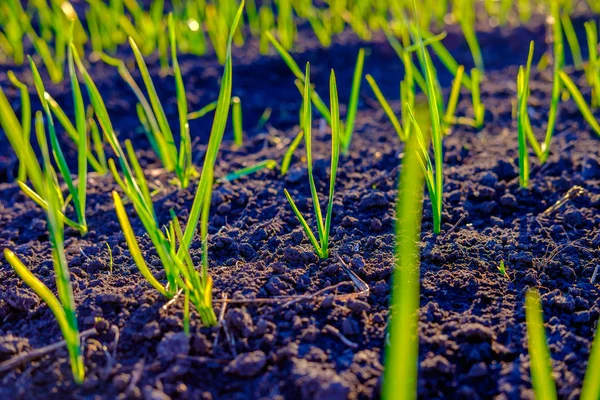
(323,228)
(62,307)
(433,177)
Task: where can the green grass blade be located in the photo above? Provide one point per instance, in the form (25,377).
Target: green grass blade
(82,144)
(170,151)
(572,40)
(216,134)
(450,115)
(268,164)
(184,159)
(57,151)
(307,123)
(335,154)
(203,111)
(478,107)
(541,363)
(287,158)
(303,222)
(353,103)
(71,337)
(436,130)
(25,117)
(591,384)
(386,107)
(400,378)
(580,101)
(448,60)
(236,116)
(133,246)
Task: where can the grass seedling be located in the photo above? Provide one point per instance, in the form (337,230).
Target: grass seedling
(402,351)
(322,244)
(63,308)
(502,268)
(541,363)
(353,103)
(525,131)
(76,192)
(173,158)
(433,178)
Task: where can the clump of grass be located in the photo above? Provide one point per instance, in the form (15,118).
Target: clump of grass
(323,227)
(62,307)
(347,130)
(172,246)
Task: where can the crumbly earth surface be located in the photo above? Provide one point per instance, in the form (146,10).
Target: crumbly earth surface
(472,333)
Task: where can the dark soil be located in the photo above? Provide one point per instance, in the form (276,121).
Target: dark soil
(472,331)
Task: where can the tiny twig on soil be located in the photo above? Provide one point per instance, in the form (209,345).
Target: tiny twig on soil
(336,332)
(575,191)
(138,369)
(460,220)
(38,353)
(221,317)
(595,274)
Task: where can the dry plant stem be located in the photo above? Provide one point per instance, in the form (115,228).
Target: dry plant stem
(38,353)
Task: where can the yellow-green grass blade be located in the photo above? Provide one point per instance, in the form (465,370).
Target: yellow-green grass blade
(353,103)
(144,193)
(14,132)
(454,93)
(386,107)
(523,126)
(144,111)
(82,144)
(471,38)
(593,67)
(406,60)
(98,145)
(307,123)
(236,116)
(287,157)
(591,384)
(72,131)
(335,154)
(559,60)
(303,222)
(478,107)
(170,151)
(436,130)
(25,116)
(447,59)
(57,151)
(203,111)
(216,135)
(402,351)
(53,196)
(293,66)
(133,246)
(268,164)
(184,159)
(55,306)
(539,354)
(572,40)
(580,101)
